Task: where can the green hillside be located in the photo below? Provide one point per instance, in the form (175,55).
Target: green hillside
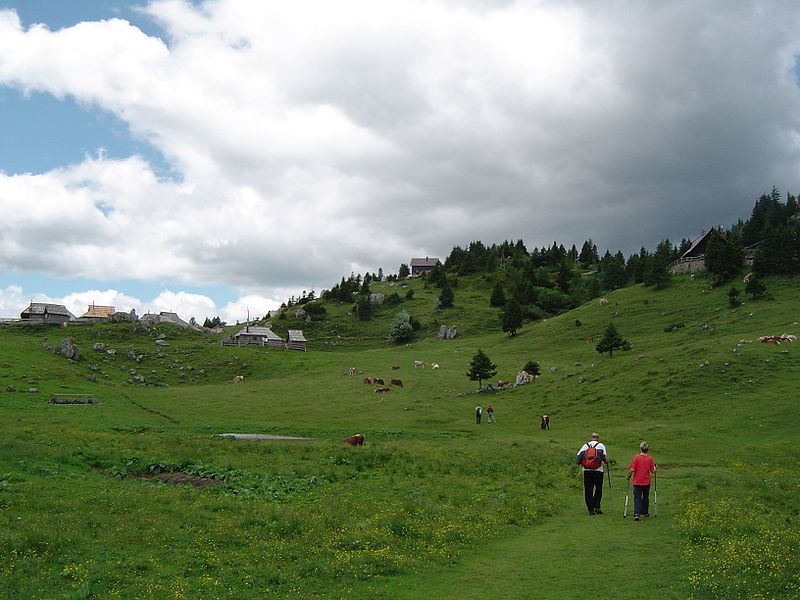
(433,504)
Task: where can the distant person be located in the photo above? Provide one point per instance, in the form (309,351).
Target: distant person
(545,424)
(641,467)
(490,414)
(591,457)
(478,412)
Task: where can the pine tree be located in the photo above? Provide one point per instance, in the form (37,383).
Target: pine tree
(404,271)
(363,309)
(481,368)
(611,341)
(401,327)
(733,298)
(498,297)
(532,368)
(446,297)
(755,287)
(724,257)
(512,317)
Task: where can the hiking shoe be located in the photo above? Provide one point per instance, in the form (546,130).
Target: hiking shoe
(646,516)
(635,517)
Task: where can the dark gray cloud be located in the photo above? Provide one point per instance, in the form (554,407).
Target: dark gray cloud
(309,142)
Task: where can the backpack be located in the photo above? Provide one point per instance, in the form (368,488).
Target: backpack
(591,458)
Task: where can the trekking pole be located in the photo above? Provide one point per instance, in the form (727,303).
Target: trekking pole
(655,493)
(627,492)
(609,480)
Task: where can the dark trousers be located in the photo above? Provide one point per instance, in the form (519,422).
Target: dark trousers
(593,489)
(477,417)
(641,500)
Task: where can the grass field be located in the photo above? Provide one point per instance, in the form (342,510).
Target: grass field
(433,505)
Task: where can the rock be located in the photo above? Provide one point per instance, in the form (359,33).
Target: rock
(69,350)
(132,355)
(11,388)
(93,367)
(92,378)
(99,346)
(376,298)
(161,342)
(447,333)
(553,369)
(32,390)
(300,314)
(111,352)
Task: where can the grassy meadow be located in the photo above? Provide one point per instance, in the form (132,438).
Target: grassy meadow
(433,505)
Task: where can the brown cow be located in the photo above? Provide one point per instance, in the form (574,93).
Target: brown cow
(503,383)
(379,381)
(382,390)
(367,380)
(397,382)
(354,440)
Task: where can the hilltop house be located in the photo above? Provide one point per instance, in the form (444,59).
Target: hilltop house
(295,340)
(41,312)
(96,313)
(694,259)
(251,335)
(422,265)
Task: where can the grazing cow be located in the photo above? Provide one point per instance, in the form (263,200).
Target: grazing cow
(397,382)
(503,383)
(747,277)
(238,379)
(602,301)
(434,365)
(545,424)
(352,371)
(368,380)
(395,367)
(382,390)
(378,381)
(419,364)
(354,440)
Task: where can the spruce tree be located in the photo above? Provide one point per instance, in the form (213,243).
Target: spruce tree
(532,368)
(404,271)
(498,297)
(755,287)
(446,297)
(611,341)
(512,317)
(481,368)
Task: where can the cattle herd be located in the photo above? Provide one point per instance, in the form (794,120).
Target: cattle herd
(394,382)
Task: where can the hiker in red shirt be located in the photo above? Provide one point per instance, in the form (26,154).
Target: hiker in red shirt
(641,467)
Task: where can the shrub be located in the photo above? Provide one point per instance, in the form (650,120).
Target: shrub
(673,327)
(393,300)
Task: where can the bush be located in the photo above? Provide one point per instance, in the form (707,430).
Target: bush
(410,294)
(401,329)
(393,300)
(673,327)
(552,300)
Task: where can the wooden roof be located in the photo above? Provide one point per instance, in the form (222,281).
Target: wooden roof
(264,332)
(40,308)
(97,311)
(296,335)
(424,262)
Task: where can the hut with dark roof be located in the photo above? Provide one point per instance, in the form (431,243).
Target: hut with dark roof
(42,312)
(422,265)
(251,335)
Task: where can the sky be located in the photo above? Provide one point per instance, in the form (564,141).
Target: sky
(217,156)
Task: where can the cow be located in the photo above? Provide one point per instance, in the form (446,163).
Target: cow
(503,383)
(368,380)
(238,379)
(545,424)
(434,365)
(602,301)
(382,390)
(747,277)
(397,382)
(354,440)
(352,371)
(395,367)
(378,381)
(419,364)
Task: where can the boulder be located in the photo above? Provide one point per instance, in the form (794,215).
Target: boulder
(376,298)
(300,313)
(69,350)
(99,346)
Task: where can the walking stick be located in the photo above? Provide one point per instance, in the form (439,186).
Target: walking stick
(609,480)
(627,492)
(655,494)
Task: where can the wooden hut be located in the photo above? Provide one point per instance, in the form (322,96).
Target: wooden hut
(258,336)
(422,265)
(295,340)
(41,312)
